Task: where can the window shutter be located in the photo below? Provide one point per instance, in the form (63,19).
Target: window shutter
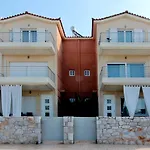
(113,35)
(16,34)
(41,35)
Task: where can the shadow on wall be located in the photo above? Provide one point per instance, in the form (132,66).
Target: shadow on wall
(78,106)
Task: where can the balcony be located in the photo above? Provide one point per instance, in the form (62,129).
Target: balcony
(31,77)
(113,77)
(24,43)
(124,43)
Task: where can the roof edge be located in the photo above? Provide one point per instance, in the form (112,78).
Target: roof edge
(125,12)
(35,15)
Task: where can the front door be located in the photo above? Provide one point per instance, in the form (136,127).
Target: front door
(109,106)
(46,106)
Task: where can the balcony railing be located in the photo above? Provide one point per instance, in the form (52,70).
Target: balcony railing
(27,38)
(27,71)
(125,72)
(125,37)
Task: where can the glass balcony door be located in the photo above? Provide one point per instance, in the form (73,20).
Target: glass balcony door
(129,36)
(25,36)
(33,36)
(116,70)
(135,70)
(29,36)
(125,70)
(125,36)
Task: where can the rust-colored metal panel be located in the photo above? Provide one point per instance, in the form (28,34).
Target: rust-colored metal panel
(79,54)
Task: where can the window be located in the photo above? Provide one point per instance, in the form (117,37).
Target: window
(29,36)
(125,36)
(47,114)
(135,70)
(108,101)
(141,107)
(109,114)
(47,101)
(129,37)
(46,107)
(72,100)
(86,72)
(125,70)
(71,72)
(108,107)
(116,70)
(120,36)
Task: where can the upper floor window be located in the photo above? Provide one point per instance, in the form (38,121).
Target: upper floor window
(125,36)
(29,36)
(125,70)
(71,72)
(86,72)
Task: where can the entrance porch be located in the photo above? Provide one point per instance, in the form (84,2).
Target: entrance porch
(32,103)
(125,101)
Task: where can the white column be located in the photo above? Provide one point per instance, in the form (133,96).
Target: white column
(131,95)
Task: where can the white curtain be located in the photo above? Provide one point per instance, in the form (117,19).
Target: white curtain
(17,100)
(6,100)
(131,95)
(146,92)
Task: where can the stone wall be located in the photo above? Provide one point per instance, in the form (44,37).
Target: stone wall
(20,130)
(68,130)
(123,130)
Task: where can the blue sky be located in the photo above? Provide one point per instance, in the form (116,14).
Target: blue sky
(76,13)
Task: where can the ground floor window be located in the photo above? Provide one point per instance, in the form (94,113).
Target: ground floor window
(140,108)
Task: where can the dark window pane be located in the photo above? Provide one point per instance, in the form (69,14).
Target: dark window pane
(47,114)
(46,107)
(108,101)
(108,107)
(46,100)
(109,114)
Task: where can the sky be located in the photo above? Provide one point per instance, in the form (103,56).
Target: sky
(77,13)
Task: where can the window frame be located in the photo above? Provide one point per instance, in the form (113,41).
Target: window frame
(70,72)
(126,67)
(72,99)
(87,75)
(30,33)
(124,32)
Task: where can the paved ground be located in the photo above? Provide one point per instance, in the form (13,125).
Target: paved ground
(79,146)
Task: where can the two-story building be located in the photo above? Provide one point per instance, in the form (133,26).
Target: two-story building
(123,60)
(29,49)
